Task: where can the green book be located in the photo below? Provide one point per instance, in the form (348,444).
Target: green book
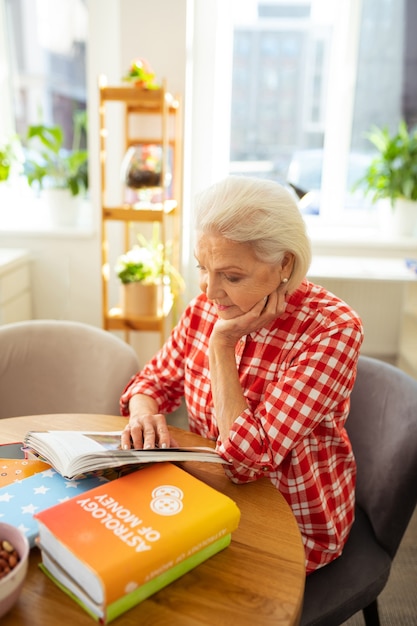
(117,608)
(115,545)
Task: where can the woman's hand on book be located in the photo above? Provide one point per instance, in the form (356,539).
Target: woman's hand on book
(145,432)
(147,427)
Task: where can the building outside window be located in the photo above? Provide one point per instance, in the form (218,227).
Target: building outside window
(46,45)
(310,79)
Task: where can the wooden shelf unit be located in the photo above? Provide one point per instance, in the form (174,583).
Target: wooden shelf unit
(163,111)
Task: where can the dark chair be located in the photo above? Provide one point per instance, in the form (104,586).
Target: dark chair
(382,425)
(51,366)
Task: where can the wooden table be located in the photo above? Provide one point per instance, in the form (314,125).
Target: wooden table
(257,581)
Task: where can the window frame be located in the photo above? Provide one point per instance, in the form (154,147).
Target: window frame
(206,122)
(337,110)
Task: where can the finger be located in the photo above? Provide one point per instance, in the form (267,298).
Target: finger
(155,431)
(137,436)
(163,436)
(270,303)
(260,306)
(161,433)
(149,437)
(265,302)
(126,440)
(281,301)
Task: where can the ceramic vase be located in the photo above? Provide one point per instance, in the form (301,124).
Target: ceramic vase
(400,219)
(141,300)
(63,207)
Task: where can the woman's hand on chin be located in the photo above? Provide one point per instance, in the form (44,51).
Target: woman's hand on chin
(260,315)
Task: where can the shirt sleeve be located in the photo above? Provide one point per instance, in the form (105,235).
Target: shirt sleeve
(306,406)
(162,377)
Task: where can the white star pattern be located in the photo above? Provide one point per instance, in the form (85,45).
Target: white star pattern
(36,493)
(29,509)
(23,528)
(40,490)
(49,473)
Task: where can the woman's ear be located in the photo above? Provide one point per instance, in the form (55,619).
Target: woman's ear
(287,264)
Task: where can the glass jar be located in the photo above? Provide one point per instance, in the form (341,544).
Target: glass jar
(141,173)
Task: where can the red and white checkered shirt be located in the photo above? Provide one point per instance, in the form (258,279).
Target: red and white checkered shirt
(297,375)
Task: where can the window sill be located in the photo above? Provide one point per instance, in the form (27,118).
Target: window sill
(22,214)
(358,240)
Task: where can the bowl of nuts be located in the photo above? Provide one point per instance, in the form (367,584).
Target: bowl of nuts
(14,559)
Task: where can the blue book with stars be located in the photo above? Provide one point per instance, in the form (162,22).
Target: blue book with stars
(20,500)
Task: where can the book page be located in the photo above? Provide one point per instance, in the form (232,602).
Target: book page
(73,453)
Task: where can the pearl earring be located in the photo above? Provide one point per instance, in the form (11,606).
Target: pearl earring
(284,281)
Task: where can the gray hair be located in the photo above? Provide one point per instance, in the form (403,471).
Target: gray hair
(260,212)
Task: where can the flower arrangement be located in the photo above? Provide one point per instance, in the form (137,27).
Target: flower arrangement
(140,73)
(139,265)
(147,263)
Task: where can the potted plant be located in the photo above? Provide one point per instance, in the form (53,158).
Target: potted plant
(141,74)
(11,159)
(6,159)
(147,277)
(391,176)
(52,170)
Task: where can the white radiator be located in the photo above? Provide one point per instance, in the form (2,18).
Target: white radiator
(376,289)
(379,305)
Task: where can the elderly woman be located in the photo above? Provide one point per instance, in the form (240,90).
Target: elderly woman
(265,360)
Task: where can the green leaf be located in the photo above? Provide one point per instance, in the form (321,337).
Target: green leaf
(48,164)
(393,172)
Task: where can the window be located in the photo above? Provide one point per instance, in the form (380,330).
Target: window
(310,78)
(46,46)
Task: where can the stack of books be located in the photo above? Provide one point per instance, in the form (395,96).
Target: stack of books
(115,545)
(113,526)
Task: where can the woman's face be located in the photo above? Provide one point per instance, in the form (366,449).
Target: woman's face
(232,277)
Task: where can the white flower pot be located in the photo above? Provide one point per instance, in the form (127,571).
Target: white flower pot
(63,207)
(400,219)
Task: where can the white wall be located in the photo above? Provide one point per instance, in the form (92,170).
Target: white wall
(64,271)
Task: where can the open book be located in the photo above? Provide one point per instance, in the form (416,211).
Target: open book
(76,453)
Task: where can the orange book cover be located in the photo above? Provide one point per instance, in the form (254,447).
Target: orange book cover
(118,537)
(12,470)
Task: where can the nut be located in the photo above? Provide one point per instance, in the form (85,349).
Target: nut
(9,558)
